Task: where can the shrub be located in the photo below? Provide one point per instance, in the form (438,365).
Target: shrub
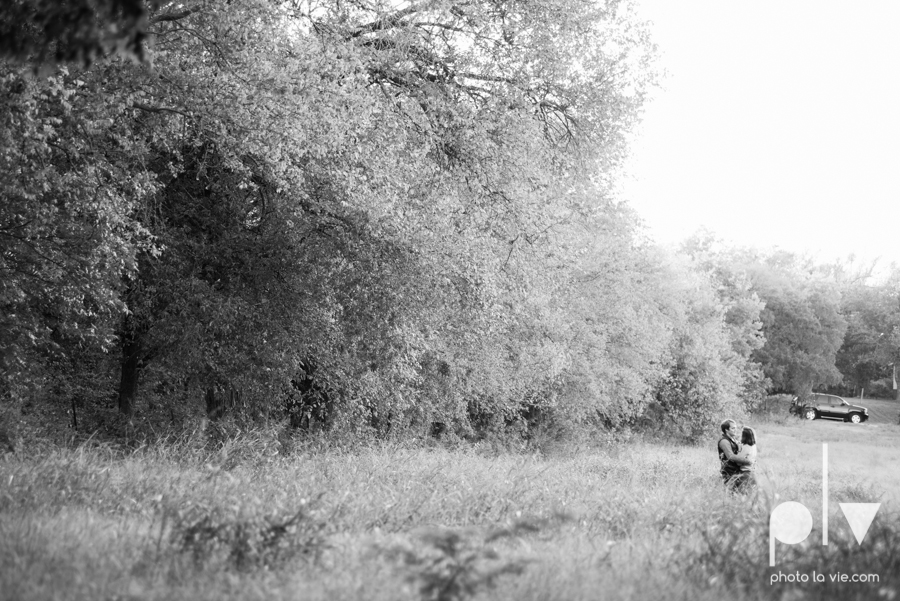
(245,542)
(450,566)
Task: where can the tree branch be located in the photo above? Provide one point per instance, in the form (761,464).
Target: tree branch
(385,22)
(158,109)
(174,16)
(479,77)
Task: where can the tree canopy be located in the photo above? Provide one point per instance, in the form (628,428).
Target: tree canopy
(400,214)
(402,196)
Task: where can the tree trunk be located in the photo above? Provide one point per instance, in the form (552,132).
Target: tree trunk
(894,378)
(128,384)
(218,404)
(215,407)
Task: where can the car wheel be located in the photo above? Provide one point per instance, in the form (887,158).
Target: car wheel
(810,414)
(855,418)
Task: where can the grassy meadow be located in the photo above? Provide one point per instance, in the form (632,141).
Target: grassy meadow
(260,517)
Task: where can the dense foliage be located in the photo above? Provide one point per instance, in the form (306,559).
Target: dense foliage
(820,326)
(372,216)
(870,353)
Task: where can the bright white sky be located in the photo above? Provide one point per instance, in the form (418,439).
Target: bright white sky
(778,124)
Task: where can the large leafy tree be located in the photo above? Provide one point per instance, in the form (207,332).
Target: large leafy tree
(784,315)
(67,236)
(707,377)
(742,308)
(802,321)
(401,193)
(871,346)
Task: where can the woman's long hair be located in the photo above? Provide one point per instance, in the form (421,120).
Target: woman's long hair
(748,436)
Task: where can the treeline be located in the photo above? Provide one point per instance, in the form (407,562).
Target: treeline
(375,218)
(826,326)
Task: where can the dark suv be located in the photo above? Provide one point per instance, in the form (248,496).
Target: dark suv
(829,406)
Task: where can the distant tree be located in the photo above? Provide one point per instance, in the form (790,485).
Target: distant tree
(871,345)
(742,309)
(802,321)
(708,376)
(783,312)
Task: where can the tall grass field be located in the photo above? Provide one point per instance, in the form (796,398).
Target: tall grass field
(258,517)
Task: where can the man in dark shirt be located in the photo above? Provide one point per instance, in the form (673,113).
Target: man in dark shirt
(729,446)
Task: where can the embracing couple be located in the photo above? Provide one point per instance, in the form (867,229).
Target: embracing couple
(737,457)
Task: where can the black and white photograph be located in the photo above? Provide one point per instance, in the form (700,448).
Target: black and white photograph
(449,300)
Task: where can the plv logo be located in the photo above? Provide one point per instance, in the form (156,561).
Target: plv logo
(791,522)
